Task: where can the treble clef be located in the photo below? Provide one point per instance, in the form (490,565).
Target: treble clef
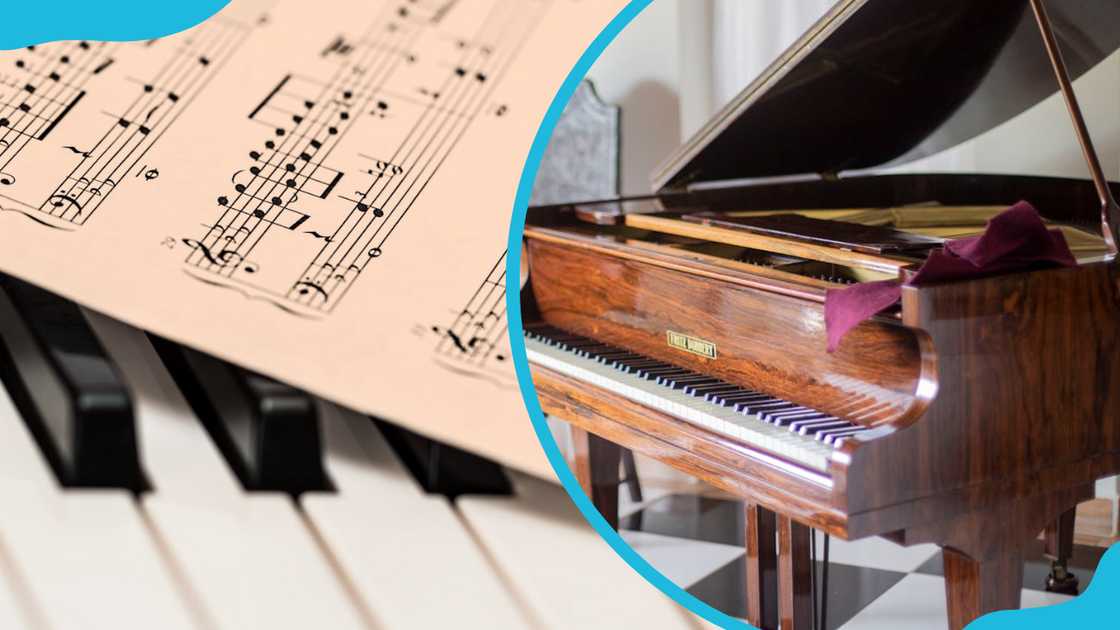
(223,258)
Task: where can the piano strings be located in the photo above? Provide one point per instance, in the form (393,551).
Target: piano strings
(158,104)
(48,83)
(308,119)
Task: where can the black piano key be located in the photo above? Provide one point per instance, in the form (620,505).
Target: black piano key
(617,362)
(829,435)
(732,398)
(681,383)
(753,407)
(653,373)
(267,431)
(589,352)
(67,390)
(688,376)
(796,425)
(609,357)
(783,417)
(811,429)
(791,419)
(632,367)
(578,343)
(701,391)
(443,469)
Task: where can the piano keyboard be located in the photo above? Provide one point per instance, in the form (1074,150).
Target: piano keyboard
(779,427)
(201,528)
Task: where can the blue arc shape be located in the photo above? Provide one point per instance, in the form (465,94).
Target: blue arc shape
(517,341)
(1089,610)
(33,22)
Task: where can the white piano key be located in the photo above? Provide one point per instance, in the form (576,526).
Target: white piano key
(84,556)
(401,549)
(14,613)
(560,568)
(804,450)
(248,558)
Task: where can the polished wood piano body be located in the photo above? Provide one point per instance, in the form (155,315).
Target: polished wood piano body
(975,414)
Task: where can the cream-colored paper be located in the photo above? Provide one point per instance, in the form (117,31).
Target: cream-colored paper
(319,191)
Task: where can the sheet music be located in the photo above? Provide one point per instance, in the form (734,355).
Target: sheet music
(317,191)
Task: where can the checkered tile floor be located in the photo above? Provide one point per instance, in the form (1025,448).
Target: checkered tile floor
(698,543)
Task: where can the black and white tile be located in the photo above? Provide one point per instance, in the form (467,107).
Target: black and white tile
(873,584)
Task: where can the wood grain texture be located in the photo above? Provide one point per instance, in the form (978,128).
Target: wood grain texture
(777,245)
(977,587)
(1028,383)
(767,341)
(596,469)
(795,602)
(762,567)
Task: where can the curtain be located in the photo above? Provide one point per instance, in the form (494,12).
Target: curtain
(748,34)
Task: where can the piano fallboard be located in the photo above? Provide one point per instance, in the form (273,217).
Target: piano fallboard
(759,336)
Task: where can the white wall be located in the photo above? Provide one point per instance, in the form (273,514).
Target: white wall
(640,71)
(1041,140)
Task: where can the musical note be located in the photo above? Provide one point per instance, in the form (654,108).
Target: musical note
(338,47)
(391,71)
(304,288)
(104,65)
(475,332)
(187,68)
(59,201)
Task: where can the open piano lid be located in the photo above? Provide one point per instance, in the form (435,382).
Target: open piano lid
(883,82)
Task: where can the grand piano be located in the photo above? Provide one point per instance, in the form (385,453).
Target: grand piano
(689,325)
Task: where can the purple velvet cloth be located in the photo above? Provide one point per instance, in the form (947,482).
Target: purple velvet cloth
(1014,239)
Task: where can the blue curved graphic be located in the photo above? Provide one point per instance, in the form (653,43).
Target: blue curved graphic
(1086,611)
(517,342)
(34,22)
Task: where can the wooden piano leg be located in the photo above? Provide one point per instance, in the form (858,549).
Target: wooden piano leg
(596,468)
(762,568)
(978,587)
(795,603)
(1059,548)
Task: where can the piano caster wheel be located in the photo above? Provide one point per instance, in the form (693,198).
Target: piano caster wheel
(1062,581)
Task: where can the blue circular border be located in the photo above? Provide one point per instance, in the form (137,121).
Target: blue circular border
(517,341)
(1090,608)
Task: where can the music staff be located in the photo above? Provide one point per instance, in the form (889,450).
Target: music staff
(292,187)
(161,99)
(385,202)
(307,119)
(49,81)
(477,332)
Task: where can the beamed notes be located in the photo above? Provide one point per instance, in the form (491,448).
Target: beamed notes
(317,191)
